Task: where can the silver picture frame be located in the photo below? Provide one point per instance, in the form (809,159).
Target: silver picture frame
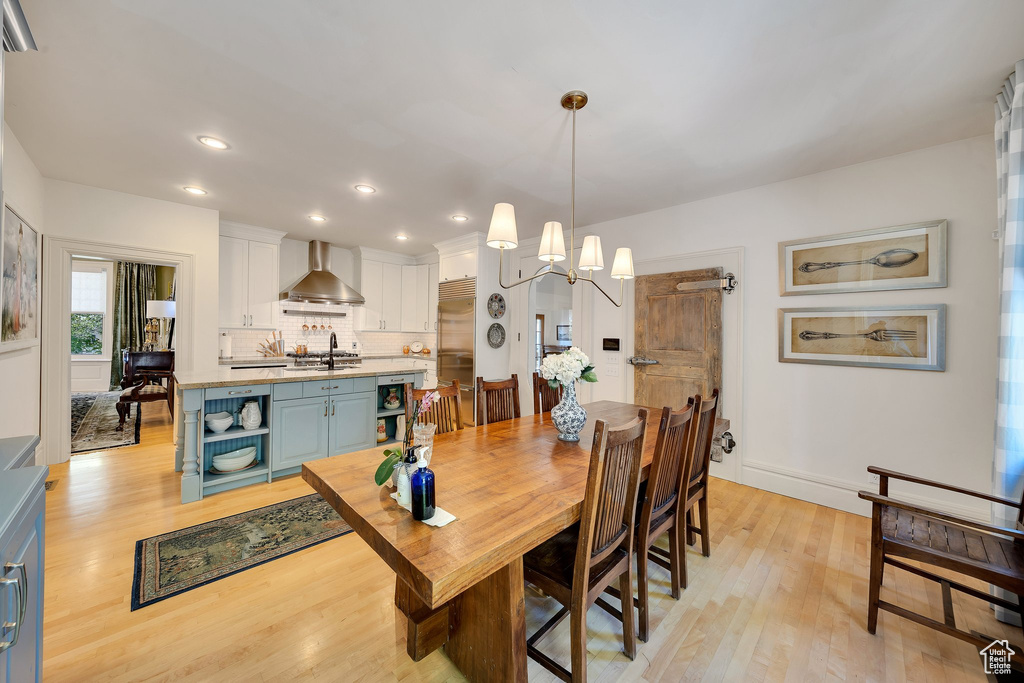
(911,256)
(910,337)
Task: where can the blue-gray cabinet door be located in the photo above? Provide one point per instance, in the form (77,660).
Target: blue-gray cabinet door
(300,430)
(21,560)
(353,422)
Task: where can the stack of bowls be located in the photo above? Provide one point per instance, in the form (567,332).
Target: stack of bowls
(219,422)
(235,460)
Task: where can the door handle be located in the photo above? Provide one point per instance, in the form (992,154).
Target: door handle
(22,605)
(325,408)
(233,393)
(641,360)
(243,320)
(250,321)
(332,408)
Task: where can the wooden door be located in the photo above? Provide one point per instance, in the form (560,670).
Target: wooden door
(234,282)
(263,284)
(681,329)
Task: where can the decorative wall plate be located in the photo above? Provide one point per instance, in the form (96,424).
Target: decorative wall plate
(416,347)
(496,335)
(496,305)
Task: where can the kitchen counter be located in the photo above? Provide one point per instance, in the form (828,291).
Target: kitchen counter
(226,377)
(260,360)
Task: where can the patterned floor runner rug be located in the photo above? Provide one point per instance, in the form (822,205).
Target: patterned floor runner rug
(175,562)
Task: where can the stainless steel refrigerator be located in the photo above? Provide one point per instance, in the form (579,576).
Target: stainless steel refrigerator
(456,333)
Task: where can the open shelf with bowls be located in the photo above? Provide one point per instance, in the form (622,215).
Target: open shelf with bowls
(232,455)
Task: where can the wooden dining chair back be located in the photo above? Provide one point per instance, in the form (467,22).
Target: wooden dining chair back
(578,564)
(544,397)
(705,410)
(445,411)
(497,401)
(659,505)
(936,539)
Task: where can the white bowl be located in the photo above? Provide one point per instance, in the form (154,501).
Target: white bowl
(235,459)
(222,425)
(217,416)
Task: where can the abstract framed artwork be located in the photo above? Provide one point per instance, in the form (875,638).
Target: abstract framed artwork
(901,257)
(19,284)
(902,337)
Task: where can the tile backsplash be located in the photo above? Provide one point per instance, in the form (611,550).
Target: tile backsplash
(244,342)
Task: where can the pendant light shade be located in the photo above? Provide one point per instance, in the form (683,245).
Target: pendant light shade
(502,233)
(591,257)
(622,266)
(552,243)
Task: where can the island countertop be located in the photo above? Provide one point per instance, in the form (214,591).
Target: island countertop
(225,377)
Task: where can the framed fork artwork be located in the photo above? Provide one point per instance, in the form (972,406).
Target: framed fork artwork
(901,337)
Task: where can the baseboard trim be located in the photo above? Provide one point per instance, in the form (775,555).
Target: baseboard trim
(841,494)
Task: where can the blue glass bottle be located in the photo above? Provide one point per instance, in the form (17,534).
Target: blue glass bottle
(422,492)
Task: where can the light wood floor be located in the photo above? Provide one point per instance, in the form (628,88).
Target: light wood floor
(782,596)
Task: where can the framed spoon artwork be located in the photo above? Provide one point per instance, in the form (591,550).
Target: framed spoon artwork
(901,257)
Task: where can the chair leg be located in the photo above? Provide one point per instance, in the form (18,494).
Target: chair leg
(642,596)
(628,628)
(874,584)
(121,415)
(578,641)
(690,540)
(705,528)
(677,562)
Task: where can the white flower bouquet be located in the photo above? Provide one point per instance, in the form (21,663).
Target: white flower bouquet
(567,367)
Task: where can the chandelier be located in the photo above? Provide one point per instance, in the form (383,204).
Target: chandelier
(503,235)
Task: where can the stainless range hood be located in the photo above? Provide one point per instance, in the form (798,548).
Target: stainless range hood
(320,285)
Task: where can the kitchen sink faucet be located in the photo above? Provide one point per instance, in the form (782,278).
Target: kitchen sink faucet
(330,351)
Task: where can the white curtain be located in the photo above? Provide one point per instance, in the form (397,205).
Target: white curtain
(1008,473)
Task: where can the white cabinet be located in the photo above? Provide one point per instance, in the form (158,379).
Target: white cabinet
(432,296)
(234,282)
(458,265)
(248,282)
(410,317)
(391,288)
(381,287)
(370,283)
(416,299)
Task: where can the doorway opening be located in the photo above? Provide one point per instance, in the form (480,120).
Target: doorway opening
(550,309)
(121,348)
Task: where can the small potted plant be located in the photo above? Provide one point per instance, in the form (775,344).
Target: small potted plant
(566,369)
(394,456)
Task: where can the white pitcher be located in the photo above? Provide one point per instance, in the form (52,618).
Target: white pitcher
(252,417)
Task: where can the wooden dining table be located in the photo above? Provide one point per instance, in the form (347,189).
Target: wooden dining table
(511,485)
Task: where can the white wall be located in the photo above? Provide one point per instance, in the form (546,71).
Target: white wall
(810,431)
(90,213)
(23,191)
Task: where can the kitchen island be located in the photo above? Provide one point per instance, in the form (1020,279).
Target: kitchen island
(306,414)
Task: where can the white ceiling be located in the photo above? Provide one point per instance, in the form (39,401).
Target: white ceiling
(448,107)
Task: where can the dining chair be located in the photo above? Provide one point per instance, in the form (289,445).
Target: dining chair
(446,410)
(705,410)
(497,401)
(577,564)
(660,503)
(544,397)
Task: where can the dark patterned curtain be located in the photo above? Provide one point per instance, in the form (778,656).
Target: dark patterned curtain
(134,285)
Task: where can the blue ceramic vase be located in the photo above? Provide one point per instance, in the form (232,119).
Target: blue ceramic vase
(569,416)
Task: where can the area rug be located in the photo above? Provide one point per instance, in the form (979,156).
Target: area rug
(81,404)
(181,560)
(98,429)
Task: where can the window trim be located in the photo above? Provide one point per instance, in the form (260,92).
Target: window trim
(91,266)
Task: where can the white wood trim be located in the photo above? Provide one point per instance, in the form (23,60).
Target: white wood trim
(251,232)
(382,256)
(472,240)
(841,494)
(55,356)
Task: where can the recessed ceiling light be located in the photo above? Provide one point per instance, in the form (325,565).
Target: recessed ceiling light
(317,218)
(401,237)
(192,189)
(460,218)
(366,189)
(213,142)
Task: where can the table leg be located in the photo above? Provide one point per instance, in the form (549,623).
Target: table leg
(487,627)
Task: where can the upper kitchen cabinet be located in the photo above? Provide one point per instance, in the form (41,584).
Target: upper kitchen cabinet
(397,292)
(249,263)
(459,265)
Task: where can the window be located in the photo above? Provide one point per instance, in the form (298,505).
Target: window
(90,299)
